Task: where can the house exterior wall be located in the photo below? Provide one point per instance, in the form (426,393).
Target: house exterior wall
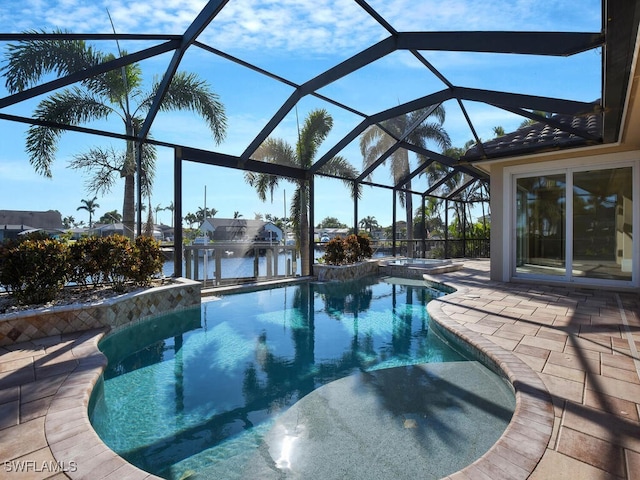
(277,232)
(499,260)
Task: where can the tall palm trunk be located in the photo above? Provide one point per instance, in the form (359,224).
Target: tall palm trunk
(128,207)
(128,172)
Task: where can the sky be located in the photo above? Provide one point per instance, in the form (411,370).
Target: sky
(297,40)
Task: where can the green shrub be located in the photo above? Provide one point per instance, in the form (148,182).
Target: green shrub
(353,249)
(365,247)
(116,260)
(149,260)
(334,252)
(86,265)
(34,271)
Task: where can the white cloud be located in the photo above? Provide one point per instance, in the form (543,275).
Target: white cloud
(434,15)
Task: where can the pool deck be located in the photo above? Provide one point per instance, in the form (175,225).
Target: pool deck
(572,354)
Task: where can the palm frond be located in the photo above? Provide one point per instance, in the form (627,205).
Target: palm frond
(188,92)
(295,210)
(104,165)
(263,183)
(340,167)
(29,60)
(275,150)
(148,168)
(71,107)
(399,164)
(433,132)
(374,142)
(316,127)
(118,85)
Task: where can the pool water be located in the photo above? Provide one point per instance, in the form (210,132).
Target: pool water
(199,390)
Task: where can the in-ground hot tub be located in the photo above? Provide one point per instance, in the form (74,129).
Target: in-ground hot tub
(417,267)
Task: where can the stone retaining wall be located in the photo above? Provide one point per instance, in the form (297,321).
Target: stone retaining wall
(380,266)
(326,273)
(112,313)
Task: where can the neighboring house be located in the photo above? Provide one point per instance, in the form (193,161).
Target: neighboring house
(326,234)
(77,233)
(106,229)
(14,222)
(167,232)
(377,234)
(241,230)
(569,211)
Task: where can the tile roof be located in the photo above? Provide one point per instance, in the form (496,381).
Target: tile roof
(49,220)
(540,137)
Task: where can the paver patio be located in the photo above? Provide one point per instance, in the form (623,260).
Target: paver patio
(581,344)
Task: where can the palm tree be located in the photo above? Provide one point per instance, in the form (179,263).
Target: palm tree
(498,131)
(98,98)
(191,218)
(171,207)
(203,213)
(68,222)
(316,127)
(111,217)
(369,223)
(374,142)
(237,214)
(477,193)
(90,206)
(157,209)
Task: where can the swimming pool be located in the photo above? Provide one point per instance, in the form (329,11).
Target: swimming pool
(199,394)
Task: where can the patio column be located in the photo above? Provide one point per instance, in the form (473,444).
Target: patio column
(393,224)
(424,229)
(177,212)
(446,228)
(312,239)
(355,208)
(464,230)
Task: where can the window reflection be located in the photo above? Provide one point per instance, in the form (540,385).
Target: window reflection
(602,217)
(540,242)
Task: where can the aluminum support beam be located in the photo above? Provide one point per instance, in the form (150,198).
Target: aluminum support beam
(522,43)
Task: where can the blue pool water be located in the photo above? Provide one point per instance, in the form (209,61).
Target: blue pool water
(188,391)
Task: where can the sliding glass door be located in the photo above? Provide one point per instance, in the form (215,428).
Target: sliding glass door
(575,224)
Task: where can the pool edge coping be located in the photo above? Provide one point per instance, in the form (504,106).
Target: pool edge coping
(77,441)
(533,400)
